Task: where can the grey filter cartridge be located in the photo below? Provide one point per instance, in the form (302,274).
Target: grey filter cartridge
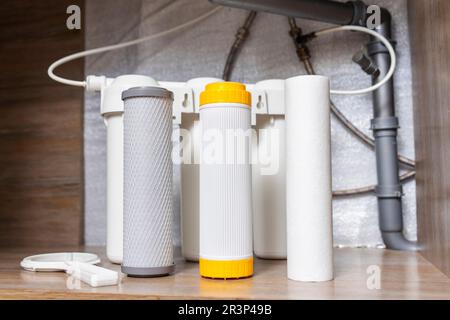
(147,246)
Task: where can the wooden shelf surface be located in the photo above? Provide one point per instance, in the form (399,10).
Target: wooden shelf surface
(404,275)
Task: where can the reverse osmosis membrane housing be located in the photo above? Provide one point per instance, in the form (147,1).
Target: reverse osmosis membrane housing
(226,249)
(148,213)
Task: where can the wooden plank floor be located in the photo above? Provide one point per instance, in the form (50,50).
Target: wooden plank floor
(403,276)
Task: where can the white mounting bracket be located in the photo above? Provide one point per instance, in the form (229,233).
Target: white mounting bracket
(267,96)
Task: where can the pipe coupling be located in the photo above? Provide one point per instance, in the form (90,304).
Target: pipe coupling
(377,47)
(389,192)
(382,124)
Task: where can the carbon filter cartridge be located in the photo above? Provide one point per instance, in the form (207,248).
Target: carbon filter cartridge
(147,246)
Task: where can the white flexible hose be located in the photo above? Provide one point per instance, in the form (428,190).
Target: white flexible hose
(379,37)
(86,53)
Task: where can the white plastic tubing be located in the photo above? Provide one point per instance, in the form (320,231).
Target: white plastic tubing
(385,41)
(308,179)
(78,55)
(85,84)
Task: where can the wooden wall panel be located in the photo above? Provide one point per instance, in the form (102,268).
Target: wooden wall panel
(41,127)
(430,36)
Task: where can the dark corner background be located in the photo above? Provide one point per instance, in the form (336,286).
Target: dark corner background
(41,136)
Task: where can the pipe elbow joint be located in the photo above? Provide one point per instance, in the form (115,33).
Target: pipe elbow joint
(397,241)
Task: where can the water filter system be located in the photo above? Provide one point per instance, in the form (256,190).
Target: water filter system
(255,167)
(240,187)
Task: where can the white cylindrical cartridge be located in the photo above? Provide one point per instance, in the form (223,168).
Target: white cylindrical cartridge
(308,179)
(226,250)
(148,168)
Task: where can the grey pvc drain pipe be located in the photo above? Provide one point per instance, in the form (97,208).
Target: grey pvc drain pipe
(385,126)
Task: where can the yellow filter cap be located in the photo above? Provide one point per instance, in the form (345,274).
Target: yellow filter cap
(226,269)
(225,92)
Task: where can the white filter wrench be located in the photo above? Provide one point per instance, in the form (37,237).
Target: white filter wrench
(79,265)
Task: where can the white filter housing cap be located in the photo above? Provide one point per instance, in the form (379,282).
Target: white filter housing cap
(112,94)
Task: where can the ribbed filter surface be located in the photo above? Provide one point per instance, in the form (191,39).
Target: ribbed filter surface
(147,183)
(225,189)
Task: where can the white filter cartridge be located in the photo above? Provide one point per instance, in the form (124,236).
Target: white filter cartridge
(308,179)
(226,248)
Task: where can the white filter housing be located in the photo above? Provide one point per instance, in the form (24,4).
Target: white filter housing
(269,188)
(269,175)
(308,179)
(114,187)
(190,188)
(190,173)
(112,112)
